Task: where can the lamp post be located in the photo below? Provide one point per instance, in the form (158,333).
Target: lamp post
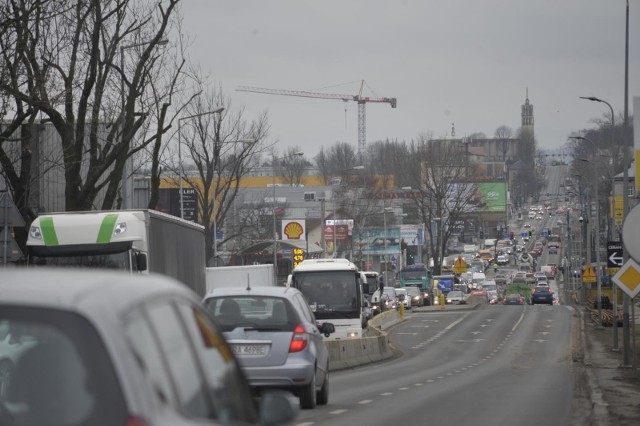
(624,205)
(597,177)
(273,210)
(126,197)
(215,111)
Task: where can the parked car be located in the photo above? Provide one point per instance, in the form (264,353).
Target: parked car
(276,338)
(542,294)
(415,295)
(107,348)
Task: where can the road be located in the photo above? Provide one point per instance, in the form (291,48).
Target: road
(486,366)
(490,365)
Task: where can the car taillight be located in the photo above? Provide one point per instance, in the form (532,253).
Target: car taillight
(504,300)
(136,421)
(299,340)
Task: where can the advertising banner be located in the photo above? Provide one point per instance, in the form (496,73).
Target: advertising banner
(293,229)
(412,235)
(490,197)
(372,241)
(342,233)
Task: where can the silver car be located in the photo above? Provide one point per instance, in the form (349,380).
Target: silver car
(84,347)
(274,334)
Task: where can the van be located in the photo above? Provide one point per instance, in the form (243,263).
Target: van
(477,278)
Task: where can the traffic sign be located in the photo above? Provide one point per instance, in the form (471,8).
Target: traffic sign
(631,233)
(589,275)
(460,267)
(615,254)
(628,278)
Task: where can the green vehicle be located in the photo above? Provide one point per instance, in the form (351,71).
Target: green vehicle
(418,275)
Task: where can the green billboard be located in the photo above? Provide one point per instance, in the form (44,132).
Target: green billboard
(490,197)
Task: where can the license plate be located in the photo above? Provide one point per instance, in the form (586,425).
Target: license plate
(249,349)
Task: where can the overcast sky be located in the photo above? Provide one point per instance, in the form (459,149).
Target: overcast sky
(467,62)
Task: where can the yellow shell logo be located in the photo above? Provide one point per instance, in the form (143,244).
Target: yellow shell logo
(293,230)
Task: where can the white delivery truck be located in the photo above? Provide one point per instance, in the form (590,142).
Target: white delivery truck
(333,288)
(139,241)
(240,276)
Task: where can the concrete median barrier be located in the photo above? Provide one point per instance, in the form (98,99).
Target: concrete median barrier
(349,353)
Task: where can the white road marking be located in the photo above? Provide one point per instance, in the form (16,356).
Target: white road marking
(470,341)
(417,384)
(456,322)
(365,401)
(540,340)
(403,389)
(386,394)
(335,412)
(304,424)
(476,332)
(517,323)
(544,333)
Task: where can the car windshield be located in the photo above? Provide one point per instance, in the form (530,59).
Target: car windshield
(329,292)
(60,370)
(413,291)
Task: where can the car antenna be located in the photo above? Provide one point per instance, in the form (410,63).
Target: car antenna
(248,282)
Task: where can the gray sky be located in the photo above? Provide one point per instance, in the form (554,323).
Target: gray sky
(467,62)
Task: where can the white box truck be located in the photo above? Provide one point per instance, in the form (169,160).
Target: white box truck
(237,276)
(139,241)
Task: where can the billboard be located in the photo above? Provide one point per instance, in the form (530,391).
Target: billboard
(490,197)
(372,241)
(412,235)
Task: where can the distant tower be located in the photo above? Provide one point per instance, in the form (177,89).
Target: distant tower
(527,116)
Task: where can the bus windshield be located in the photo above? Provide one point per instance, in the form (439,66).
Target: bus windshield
(331,294)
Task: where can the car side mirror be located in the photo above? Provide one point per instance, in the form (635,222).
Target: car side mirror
(327,328)
(141,262)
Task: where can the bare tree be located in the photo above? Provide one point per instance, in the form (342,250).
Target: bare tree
(292,166)
(503,134)
(223,148)
(84,66)
(434,168)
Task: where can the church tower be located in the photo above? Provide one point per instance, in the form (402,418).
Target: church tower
(527,116)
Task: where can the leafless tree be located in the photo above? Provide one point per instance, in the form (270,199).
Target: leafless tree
(292,166)
(435,170)
(503,134)
(84,66)
(221,148)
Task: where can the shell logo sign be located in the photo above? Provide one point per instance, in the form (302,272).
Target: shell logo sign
(293,230)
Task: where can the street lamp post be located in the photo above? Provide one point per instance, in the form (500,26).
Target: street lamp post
(273,210)
(126,197)
(181,174)
(597,177)
(624,202)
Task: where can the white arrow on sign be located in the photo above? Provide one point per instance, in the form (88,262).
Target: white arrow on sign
(615,259)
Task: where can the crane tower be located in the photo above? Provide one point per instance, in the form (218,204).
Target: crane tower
(359,98)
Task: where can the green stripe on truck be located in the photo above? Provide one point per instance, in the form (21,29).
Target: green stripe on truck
(106,228)
(48,231)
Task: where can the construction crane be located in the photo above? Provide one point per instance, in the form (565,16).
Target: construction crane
(359,98)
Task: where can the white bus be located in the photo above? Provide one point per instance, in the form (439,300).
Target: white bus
(333,288)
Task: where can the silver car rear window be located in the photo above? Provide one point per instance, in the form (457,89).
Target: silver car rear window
(265,313)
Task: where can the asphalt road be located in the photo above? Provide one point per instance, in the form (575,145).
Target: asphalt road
(485,366)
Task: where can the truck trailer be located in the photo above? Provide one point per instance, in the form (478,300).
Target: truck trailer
(240,276)
(138,241)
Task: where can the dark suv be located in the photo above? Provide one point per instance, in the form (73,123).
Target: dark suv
(542,294)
